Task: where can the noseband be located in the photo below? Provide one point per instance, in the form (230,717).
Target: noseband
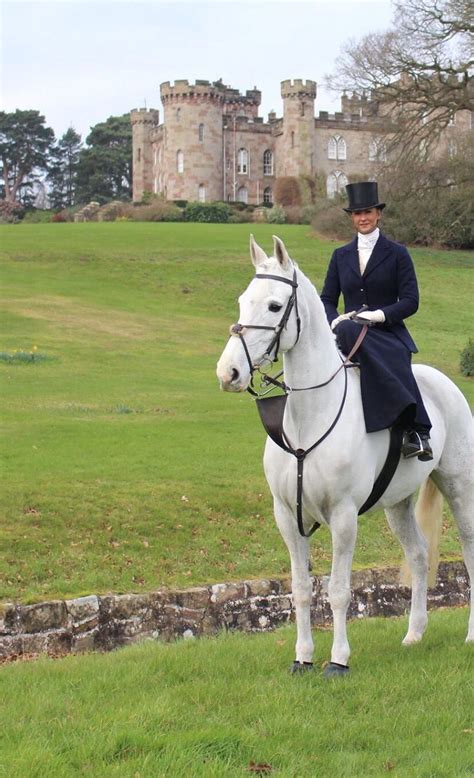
(237,329)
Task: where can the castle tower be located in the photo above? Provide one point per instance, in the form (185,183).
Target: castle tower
(193,140)
(143,122)
(295,147)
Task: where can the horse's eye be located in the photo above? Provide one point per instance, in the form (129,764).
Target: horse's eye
(274,307)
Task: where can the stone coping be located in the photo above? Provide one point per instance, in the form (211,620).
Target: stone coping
(103,623)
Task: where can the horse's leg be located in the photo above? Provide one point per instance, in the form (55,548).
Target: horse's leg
(459,492)
(343,526)
(401,518)
(301,583)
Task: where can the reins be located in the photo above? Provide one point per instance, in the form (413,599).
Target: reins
(275,430)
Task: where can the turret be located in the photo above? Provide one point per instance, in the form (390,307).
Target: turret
(298,127)
(143,121)
(192,151)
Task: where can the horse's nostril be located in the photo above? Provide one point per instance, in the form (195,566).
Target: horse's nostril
(235,375)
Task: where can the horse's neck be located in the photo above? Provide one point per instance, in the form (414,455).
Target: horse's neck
(312,361)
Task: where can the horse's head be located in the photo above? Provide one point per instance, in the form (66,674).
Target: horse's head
(267,320)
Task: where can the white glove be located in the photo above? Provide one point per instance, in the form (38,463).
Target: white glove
(377,316)
(343,317)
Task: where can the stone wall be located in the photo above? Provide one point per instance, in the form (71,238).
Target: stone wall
(107,622)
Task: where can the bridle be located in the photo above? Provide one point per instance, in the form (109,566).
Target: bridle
(276,431)
(237,329)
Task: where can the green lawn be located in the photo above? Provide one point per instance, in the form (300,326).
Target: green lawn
(125,468)
(210,708)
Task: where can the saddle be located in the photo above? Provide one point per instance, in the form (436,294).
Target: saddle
(272,409)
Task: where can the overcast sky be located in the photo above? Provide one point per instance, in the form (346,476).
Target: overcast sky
(80,61)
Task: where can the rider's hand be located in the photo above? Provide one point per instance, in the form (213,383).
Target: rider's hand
(377,317)
(343,317)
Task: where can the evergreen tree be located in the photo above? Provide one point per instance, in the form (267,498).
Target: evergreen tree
(105,166)
(25,147)
(63,169)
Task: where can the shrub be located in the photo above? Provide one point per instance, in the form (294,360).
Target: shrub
(467,359)
(207,212)
(157,211)
(287,191)
(240,217)
(58,218)
(38,216)
(10,213)
(276,215)
(329,219)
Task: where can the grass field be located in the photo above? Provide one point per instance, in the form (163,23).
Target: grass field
(124,466)
(213,707)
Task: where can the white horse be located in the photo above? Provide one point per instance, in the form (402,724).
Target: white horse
(340,472)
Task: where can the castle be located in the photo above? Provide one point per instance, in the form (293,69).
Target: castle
(212,145)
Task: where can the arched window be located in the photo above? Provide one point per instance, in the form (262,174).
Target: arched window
(242,195)
(452,148)
(337,148)
(201,133)
(335,183)
(267,163)
(341,148)
(242,161)
(377,150)
(180,161)
(267,195)
(202,193)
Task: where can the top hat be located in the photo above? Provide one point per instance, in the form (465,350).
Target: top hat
(362,196)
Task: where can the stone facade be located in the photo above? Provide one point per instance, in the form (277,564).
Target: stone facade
(103,623)
(212,145)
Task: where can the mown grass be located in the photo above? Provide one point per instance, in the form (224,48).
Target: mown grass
(213,707)
(124,466)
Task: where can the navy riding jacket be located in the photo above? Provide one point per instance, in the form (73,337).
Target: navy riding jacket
(388,283)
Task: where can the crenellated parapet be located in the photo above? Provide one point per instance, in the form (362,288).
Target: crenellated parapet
(299,88)
(182,90)
(146,116)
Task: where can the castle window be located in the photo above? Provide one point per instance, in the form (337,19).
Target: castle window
(292,140)
(201,133)
(452,148)
(139,156)
(178,114)
(180,161)
(202,193)
(302,108)
(267,196)
(335,183)
(337,148)
(267,163)
(377,150)
(242,195)
(243,162)
(452,120)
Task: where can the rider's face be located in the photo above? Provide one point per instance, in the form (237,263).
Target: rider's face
(366,221)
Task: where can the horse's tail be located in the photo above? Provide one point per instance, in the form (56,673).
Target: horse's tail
(429,517)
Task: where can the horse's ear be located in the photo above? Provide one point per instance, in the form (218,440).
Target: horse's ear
(280,252)
(257,254)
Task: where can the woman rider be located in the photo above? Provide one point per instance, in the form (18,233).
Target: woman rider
(378,274)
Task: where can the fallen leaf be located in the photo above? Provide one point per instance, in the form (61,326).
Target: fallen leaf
(259,767)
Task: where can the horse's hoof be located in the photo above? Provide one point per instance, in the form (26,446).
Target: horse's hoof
(333,669)
(300,667)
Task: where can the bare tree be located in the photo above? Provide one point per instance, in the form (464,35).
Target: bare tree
(418,72)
